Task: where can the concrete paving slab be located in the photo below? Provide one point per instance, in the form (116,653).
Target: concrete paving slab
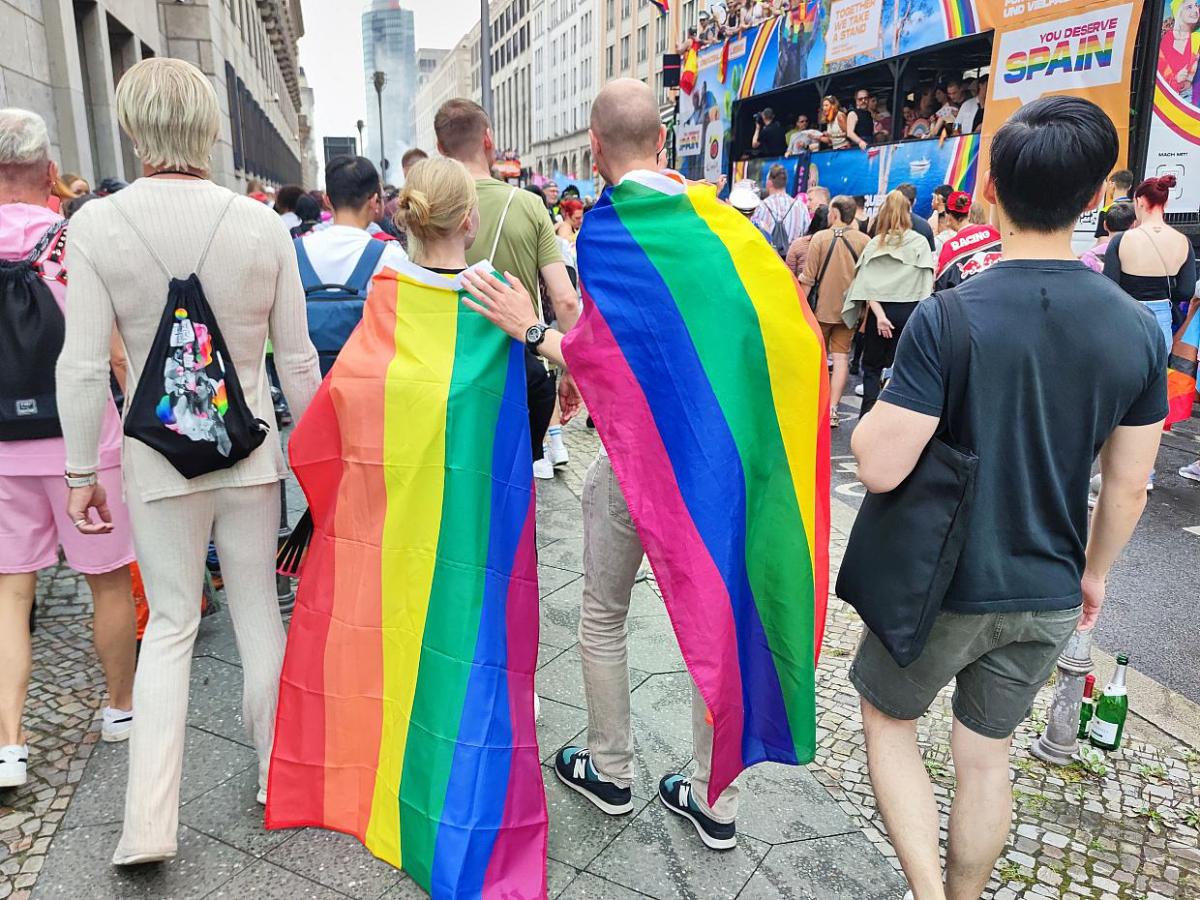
(230,812)
(661,856)
(336,861)
(264,881)
(80,867)
(832,868)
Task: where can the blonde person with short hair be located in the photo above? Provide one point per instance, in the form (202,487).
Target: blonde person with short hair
(123,253)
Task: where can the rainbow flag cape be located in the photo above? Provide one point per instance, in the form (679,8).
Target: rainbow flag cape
(406,701)
(1181,369)
(705,374)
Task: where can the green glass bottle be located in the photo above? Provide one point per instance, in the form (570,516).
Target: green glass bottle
(1108,721)
(1087,708)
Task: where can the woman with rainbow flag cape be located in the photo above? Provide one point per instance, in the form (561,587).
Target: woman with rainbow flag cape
(406,701)
(704,372)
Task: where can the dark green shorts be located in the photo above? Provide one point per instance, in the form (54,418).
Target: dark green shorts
(998,662)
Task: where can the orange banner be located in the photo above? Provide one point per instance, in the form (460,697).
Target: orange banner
(1044,47)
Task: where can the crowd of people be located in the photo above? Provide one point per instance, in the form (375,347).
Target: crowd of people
(260,271)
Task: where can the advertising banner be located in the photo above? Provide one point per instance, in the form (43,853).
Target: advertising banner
(1174,145)
(853,29)
(1080,49)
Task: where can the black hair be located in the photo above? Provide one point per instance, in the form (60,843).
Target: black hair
(1049,160)
(350,181)
(1120,217)
(860,199)
(819,221)
(307,208)
(1122,178)
(944,191)
(534,189)
(72,206)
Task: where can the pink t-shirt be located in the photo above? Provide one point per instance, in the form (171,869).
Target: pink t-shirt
(21,227)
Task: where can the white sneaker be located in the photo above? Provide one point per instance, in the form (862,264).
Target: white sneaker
(14,760)
(1191,472)
(858,390)
(537,707)
(557,454)
(543,468)
(261,797)
(116,725)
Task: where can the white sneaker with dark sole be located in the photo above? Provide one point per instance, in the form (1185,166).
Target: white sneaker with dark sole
(675,792)
(14,765)
(115,725)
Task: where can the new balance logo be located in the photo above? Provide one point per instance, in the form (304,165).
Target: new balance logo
(580,770)
(685,794)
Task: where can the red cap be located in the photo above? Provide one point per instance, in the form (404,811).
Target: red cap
(959,202)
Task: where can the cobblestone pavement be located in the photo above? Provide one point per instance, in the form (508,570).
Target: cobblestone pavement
(1129,832)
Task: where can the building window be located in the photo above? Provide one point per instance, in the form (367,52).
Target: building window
(660,34)
(659,90)
(610,9)
(689,14)
(608,61)
(624,53)
(643,40)
(624,9)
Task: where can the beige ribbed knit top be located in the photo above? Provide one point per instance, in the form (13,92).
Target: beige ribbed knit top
(252,283)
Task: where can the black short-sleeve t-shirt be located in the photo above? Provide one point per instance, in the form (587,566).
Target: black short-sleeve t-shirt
(1060,356)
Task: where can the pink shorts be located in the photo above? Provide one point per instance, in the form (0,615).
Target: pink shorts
(33,523)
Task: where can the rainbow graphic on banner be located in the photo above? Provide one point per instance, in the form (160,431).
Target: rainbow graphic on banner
(410,659)
(704,371)
(960,175)
(960,18)
(755,57)
(1175,113)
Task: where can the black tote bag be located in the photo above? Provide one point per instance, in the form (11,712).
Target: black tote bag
(905,544)
(189,404)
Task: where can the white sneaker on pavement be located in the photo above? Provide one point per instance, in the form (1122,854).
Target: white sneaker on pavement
(1191,472)
(14,760)
(543,469)
(858,390)
(558,454)
(116,725)
(261,797)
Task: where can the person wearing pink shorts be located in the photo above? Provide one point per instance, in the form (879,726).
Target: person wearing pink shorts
(33,493)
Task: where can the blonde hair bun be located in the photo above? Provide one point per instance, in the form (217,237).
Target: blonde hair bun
(414,206)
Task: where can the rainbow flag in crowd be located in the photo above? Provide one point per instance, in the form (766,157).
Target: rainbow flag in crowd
(1181,369)
(663,6)
(406,702)
(704,371)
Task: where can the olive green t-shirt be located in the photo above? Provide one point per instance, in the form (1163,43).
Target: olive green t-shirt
(527,241)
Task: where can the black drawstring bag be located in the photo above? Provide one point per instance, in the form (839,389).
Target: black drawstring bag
(904,547)
(32,329)
(189,404)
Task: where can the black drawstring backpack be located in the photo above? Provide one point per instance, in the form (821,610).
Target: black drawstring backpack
(189,405)
(32,329)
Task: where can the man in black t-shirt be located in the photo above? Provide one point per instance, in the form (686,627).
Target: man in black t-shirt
(769,137)
(1036,410)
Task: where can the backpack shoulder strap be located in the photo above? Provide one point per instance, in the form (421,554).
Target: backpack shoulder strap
(308,275)
(360,278)
(154,253)
(500,225)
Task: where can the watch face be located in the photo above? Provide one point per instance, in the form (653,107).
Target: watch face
(535,334)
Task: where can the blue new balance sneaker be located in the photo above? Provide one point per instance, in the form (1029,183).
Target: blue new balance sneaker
(573,766)
(675,792)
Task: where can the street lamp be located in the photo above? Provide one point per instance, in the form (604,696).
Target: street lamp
(359,125)
(485,57)
(379,80)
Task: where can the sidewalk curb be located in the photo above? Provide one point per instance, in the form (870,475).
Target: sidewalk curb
(1168,711)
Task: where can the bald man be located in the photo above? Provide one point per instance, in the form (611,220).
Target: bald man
(626,136)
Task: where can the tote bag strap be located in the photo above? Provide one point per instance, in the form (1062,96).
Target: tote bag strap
(956,339)
(154,253)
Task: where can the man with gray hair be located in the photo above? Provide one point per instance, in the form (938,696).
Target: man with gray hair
(33,495)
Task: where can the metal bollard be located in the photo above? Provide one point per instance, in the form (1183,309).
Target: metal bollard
(1058,743)
(284,589)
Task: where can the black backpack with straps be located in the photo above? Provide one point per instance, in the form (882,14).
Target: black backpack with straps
(189,404)
(32,330)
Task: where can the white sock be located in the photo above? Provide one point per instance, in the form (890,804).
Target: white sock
(556,438)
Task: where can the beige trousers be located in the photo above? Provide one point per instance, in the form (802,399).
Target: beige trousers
(612,554)
(170,538)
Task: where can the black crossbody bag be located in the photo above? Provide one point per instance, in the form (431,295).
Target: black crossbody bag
(905,545)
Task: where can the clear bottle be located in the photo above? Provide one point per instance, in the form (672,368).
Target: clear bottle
(1088,707)
(1108,721)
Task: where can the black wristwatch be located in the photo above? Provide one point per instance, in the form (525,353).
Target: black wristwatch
(534,336)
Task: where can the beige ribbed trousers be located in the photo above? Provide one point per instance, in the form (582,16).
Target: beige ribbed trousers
(171,537)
